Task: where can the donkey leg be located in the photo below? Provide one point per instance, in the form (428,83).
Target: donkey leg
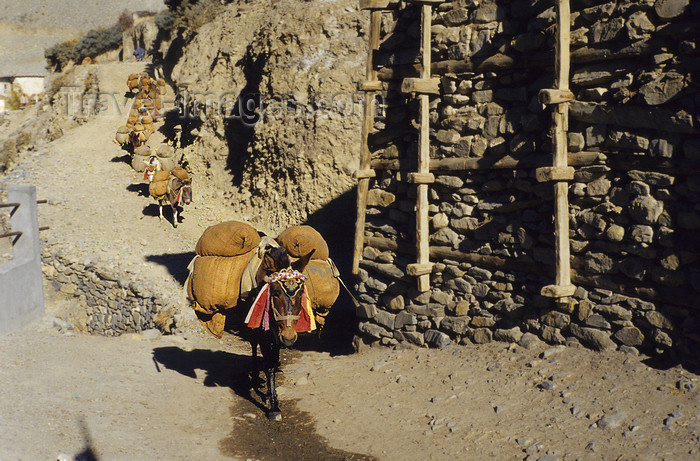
(174,216)
(274,413)
(160,211)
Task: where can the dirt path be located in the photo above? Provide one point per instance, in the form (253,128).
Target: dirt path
(186,396)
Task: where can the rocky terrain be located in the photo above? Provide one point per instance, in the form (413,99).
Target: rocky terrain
(65,394)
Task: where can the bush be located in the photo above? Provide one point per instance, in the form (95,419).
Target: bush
(98,41)
(188,14)
(165,20)
(125,21)
(59,55)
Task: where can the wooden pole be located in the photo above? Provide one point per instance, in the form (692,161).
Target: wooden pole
(562,287)
(366,155)
(423,267)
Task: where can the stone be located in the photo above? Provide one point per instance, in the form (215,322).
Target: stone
(614,310)
(596,135)
(629,336)
(394,303)
(512,335)
(439,221)
(488,12)
(669,9)
(627,140)
(482,322)
(412,337)
(461,308)
(436,338)
(373,330)
(556,319)
(456,17)
(552,335)
(659,320)
(605,31)
(638,26)
(615,233)
(638,188)
(611,421)
(445,237)
(529,341)
(595,339)
(482,96)
(598,263)
(449,181)
(528,42)
(389,270)
(376,285)
(385,319)
(662,338)
(465,224)
(598,187)
(598,321)
(404,318)
(447,137)
(646,209)
(642,234)
(481,336)
(455,325)
(652,178)
(379,197)
(657,92)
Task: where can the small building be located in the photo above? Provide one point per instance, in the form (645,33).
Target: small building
(28,83)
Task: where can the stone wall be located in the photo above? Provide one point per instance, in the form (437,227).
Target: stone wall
(113,304)
(634,203)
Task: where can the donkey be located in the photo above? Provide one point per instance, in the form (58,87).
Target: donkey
(170,187)
(179,192)
(277,313)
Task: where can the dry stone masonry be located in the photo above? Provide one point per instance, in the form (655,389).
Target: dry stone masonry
(634,208)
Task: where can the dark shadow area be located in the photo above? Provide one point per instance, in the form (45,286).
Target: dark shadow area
(294,437)
(241,116)
(152,210)
(223,369)
(87,454)
(141,189)
(125,158)
(336,222)
(176,263)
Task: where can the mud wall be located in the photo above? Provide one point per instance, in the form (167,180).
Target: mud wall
(634,202)
(268,106)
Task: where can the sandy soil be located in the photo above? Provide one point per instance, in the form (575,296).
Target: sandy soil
(65,395)
(69,396)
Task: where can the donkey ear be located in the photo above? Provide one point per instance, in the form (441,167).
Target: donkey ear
(268,262)
(300,264)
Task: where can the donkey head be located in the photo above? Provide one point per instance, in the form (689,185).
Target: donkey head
(286,295)
(181,191)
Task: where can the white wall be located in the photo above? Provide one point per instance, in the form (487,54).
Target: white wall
(30,85)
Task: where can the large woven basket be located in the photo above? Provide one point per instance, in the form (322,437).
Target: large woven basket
(230,238)
(300,240)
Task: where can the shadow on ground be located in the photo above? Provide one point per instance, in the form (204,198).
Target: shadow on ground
(176,263)
(253,435)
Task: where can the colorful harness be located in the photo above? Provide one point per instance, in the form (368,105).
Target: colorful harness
(292,282)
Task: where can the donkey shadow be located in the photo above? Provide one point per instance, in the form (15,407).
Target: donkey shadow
(223,369)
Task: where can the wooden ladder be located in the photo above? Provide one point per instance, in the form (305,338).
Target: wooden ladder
(560,172)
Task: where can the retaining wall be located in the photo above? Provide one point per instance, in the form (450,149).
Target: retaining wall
(634,207)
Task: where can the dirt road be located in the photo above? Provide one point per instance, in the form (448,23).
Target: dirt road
(66,396)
